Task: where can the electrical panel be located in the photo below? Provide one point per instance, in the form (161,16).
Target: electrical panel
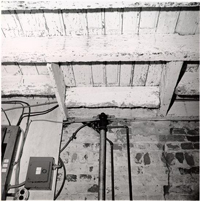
(40,173)
(9,145)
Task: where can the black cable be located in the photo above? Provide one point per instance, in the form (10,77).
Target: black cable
(15,186)
(6,116)
(64,178)
(73,136)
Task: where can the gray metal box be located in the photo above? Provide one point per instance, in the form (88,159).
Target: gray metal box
(40,172)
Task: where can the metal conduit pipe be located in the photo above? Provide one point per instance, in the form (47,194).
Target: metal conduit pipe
(102,156)
(112,169)
(128,156)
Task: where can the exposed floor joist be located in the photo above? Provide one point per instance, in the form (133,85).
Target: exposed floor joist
(147,47)
(123,97)
(55,5)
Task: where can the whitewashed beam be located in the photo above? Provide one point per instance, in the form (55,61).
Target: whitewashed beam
(188,109)
(169,79)
(123,97)
(72,4)
(27,85)
(59,87)
(189,84)
(147,47)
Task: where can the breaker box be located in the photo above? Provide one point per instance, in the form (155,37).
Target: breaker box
(40,173)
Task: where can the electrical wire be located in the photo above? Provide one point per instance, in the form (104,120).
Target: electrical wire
(36,105)
(64,179)
(15,186)
(6,116)
(73,136)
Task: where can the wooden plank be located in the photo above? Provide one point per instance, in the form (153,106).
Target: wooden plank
(59,87)
(12,69)
(113,22)
(41,68)
(98,75)
(130,21)
(148,21)
(154,74)
(188,22)
(10,25)
(113,97)
(140,74)
(170,75)
(112,74)
(55,5)
(159,47)
(184,109)
(83,75)
(54,23)
(167,21)
(28,69)
(126,75)
(75,23)
(68,74)
(96,22)
(27,85)
(189,84)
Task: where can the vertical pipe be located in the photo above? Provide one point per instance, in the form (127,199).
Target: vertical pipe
(112,169)
(102,156)
(128,158)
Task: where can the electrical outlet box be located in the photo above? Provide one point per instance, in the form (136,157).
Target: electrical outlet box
(40,173)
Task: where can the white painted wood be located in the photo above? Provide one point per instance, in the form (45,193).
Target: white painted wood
(140,74)
(75,23)
(154,74)
(113,22)
(68,75)
(3,71)
(167,21)
(28,69)
(184,109)
(95,20)
(83,75)
(10,25)
(12,69)
(169,79)
(126,75)
(188,22)
(27,85)
(54,23)
(158,47)
(113,97)
(59,87)
(74,4)
(112,74)
(189,84)
(130,21)
(98,74)
(41,69)
(148,21)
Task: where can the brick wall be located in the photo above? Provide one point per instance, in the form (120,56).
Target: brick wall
(164,160)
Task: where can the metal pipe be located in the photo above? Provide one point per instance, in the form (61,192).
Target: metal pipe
(112,169)
(128,157)
(102,156)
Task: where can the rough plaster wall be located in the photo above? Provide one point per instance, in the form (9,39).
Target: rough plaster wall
(164,159)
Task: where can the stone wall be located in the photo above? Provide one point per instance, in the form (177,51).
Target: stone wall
(164,161)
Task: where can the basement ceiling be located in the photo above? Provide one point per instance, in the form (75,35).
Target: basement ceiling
(153,46)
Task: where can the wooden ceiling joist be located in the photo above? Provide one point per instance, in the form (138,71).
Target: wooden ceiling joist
(122,97)
(57,5)
(147,47)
